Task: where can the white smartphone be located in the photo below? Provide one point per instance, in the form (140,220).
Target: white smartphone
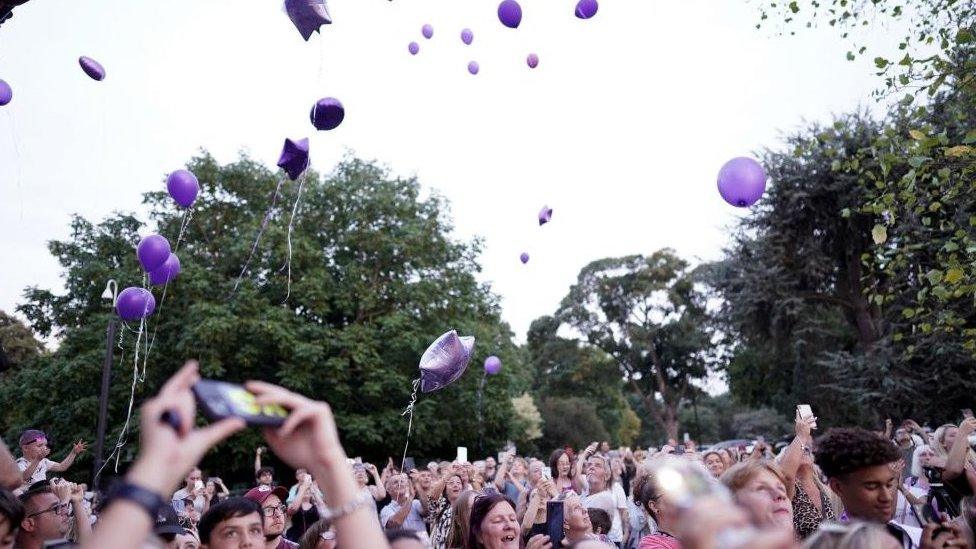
(198,484)
(805,412)
(547,472)
(462,454)
(687,438)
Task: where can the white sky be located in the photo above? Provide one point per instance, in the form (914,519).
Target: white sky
(621,129)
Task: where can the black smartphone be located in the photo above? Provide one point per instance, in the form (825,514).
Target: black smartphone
(409,464)
(219,400)
(554,522)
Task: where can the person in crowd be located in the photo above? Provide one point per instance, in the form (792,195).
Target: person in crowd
(510,479)
(577,525)
(189,539)
(714,463)
(403,511)
(10,474)
(308,438)
(11,514)
(168,527)
(188,515)
(194,490)
(402,538)
(320,535)
(376,492)
(600,521)
(262,475)
(490,469)
(494,525)
(562,469)
(215,491)
(600,493)
(443,494)
(811,500)
(461,519)
(46,514)
(854,535)
(233,523)
(954,471)
(274,511)
(534,511)
(662,512)
(299,474)
(640,523)
(33,463)
(760,487)
(908,441)
(304,510)
(604,449)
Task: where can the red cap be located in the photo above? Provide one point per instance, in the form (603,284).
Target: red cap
(260,493)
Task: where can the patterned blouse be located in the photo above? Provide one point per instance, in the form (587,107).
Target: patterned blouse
(806,518)
(440,517)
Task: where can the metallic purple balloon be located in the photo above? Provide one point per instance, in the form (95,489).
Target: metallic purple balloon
(413,48)
(493,365)
(467,36)
(294,157)
(327,114)
(741,182)
(545,215)
(532,60)
(444,361)
(586,8)
(135,303)
(183,187)
(92,68)
(153,251)
(524,258)
(308,15)
(428,31)
(510,13)
(473,67)
(6,93)
(165,272)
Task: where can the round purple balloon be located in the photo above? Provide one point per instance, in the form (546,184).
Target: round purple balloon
(92,68)
(183,186)
(510,13)
(532,60)
(524,258)
(586,8)
(413,48)
(741,182)
(327,114)
(493,365)
(165,272)
(428,31)
(6,93)
(473,67)
(153,252)
(467,36)
(135,303)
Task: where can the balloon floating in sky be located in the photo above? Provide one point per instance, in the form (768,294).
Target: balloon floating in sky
(467,36)
(327,114)
(135,303)
(6,93)
(532,60)
(152,252)
(741,182)
(510,13)
(166,272)
(183,187)
(427,31)
(444,361)
(524,258)
(586,8)
(493,365)
(92,68)
(308,15)
(294,157)
(473,67)
(413,48)
(545,215)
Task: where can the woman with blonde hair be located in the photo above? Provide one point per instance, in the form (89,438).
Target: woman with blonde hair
(812,500)
(952,472)
(460,517)
(761,488)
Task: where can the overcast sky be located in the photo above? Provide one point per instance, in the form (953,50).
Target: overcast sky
(621,129)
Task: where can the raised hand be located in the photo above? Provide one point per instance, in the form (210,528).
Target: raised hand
(308,433)
(79,447)
(61,488)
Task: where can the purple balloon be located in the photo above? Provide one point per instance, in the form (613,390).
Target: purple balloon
(92,68)
(294,157)
(135,303)
(493,365)
(524,258)
(510,13)
(444,361)
(427,31)
(6,93)
(183,187)
(467,36)
(413,48)
(586,8)
(741,182)
(165,272)
(532,60)
(545,215)
(327,114)
(308,15)
(153,251)
(473,67)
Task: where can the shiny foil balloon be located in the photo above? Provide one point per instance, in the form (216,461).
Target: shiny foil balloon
(445,361)
(183,186)
(153,251)
(545,215)
(92,68)
(135,303)
(327,114)
(510,14)
(308,16)
(6,93)
(741,182)
(294,157)
(493,365)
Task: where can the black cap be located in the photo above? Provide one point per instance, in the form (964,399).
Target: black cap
(167,522)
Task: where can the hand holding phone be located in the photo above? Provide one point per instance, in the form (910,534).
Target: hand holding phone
(806,413)
(219,400)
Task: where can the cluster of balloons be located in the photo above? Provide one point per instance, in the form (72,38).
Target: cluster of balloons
(545,216)
(741,182)
(162,265)
(510,11)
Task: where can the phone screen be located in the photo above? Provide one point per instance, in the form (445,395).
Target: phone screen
(547,472)
(219,400)
(462,454)
(554,520)
(409,464)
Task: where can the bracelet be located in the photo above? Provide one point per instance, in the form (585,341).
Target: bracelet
(347,508)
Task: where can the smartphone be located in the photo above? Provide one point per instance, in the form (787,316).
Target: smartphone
(198,484)
(547,472)
(409,464)
(805,412)
(219,400)
(554,520)
(967,413)
(501,457)
(462,454)
(687,438)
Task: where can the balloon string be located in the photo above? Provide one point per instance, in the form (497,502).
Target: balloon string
(121,441)
(481,427)
(409,410)
(291,225)
(183,227)
(264,225)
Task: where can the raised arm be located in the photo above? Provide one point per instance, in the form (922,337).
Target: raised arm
(957,454)
(82,520)
(532,510)
(257,458)
(502,472)
(579,478)
(793,455)
(914,427)
(379,488)
(76,449)
(9,472)
(303,487)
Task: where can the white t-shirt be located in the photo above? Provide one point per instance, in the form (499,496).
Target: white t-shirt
(607,501)
(40,473)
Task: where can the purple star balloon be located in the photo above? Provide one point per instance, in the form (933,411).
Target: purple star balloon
(545,215)
(510,13)
(444,361)
(183,187)
(413,48)
(428,31)
(135,303)
(467,36)
(166,272)
(741,182)
(586,8)
(294,157)
(92,68)
(6,93)
(473,67)
(327,114)
(524,258)
(308,15)
(532,60)
(152,252)
(493,365)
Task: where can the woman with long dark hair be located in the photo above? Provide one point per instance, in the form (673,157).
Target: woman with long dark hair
(494,525)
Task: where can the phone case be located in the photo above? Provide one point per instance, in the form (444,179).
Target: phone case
(219,400)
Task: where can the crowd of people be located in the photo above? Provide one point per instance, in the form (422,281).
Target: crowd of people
(909,487)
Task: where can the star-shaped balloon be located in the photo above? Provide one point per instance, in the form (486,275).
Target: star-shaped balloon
(308,15)
(444,361)
(545,215)
(294,157)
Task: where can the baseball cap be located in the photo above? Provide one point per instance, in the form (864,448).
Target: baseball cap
(31,435)
(167,522)
(260,493)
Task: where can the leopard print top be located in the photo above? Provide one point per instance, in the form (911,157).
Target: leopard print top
(806,518)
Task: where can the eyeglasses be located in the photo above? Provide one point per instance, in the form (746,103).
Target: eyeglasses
(270,511)
(58,508)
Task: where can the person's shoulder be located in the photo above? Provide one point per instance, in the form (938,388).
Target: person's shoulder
(287,544)
(655,541)
(22,463)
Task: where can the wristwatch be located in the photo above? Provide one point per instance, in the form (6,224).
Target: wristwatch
(149,501)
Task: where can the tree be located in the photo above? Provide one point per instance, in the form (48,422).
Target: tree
(18,345)
(570,421)
(650,315)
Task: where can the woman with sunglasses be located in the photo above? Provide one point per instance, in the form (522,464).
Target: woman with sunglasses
(812,503)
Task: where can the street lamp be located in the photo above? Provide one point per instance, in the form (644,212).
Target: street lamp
(111,293)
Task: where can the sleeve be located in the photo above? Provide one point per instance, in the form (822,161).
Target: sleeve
(386,513)
(619,498)
(22,464)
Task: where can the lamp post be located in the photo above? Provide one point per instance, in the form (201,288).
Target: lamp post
(111,293)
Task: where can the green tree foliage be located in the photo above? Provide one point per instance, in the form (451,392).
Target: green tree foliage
(571,421)
(376,277)
(18,346)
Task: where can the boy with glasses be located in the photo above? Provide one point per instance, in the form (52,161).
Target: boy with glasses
(45,518)
(273,511)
